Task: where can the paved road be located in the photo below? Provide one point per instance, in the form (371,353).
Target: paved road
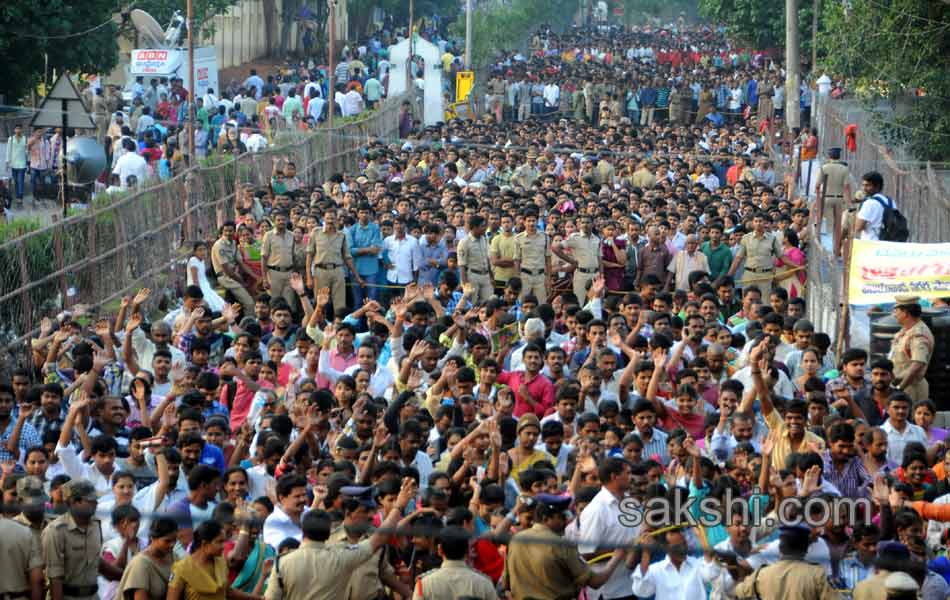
(41,210)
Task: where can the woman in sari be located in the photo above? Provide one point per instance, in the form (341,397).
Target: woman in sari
(792,280)
(251,576)
(250,250)
(203,574)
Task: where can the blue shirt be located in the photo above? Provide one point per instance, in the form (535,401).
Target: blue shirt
(28,439)
(359,237)
(212,456)
(439,253)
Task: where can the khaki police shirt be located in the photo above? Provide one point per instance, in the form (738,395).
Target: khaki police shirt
(278,249)
(328,248)
(644,179)
(372,172)
(21,553)
(524,176)
(72,553)
(832,177)
(37,531)
(586,250)
(503,247)
(760,252)
(454,579)
(473,254)
(364,580)
(531,251)
(604,173)
(224,252)
(914,344)
(316,571)
(788,580)
(536,569)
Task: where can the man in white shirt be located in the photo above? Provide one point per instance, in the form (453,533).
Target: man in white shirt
(736,550)
(552,93)
(898,429)
(130,163)
(404,255)
(676,577)
(870,219)
(284,522)
(255,142)
(611,521)
(352,103)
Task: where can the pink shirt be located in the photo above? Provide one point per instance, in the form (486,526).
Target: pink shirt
(540,388)
(243,399)
(339,362)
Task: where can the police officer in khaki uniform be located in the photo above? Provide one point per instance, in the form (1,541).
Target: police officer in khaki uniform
(473,260)
(33,499)
(454,579)
(540,565)
(527,173)
(21,570)
(791,578)
(585,256)
(277,256)
(71,546)
(327,252)
(303,574)
(911,349)
(833,191)
(366,580)
(224,258)
(759,249)
(532,259)
(372,171)
(604,172)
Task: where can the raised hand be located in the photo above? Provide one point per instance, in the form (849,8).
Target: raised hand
(134,322)
(659,358)
(297,283)
(141,297)
(380,436)
(323,296)
(46,326)
(428,292)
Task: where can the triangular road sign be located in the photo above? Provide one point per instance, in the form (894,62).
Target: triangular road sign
(63,106)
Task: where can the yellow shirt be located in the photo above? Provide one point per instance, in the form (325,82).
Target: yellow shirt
(198,582)
(783,445)
(503,246)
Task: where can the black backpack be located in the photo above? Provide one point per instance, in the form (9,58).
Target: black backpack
(893,223)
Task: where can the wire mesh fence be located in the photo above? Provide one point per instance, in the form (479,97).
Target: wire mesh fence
(918,189)
(93,259)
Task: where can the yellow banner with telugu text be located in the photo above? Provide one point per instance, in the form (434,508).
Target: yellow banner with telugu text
(882,270)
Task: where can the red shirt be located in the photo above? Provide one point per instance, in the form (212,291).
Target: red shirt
(693,423)
(540,388)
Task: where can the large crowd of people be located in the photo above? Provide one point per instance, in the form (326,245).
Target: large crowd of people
(495,359)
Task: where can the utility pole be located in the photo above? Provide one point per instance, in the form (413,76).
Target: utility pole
(816,6)
(468,35)
(331,75)
(191,85)
(793,65)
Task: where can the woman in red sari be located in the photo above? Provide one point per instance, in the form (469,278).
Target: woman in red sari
(613,255)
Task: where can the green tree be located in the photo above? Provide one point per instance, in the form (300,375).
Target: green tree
(758,23)
(898,51)
(32,39)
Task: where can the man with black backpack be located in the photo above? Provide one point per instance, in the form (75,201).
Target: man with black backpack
(878,217)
